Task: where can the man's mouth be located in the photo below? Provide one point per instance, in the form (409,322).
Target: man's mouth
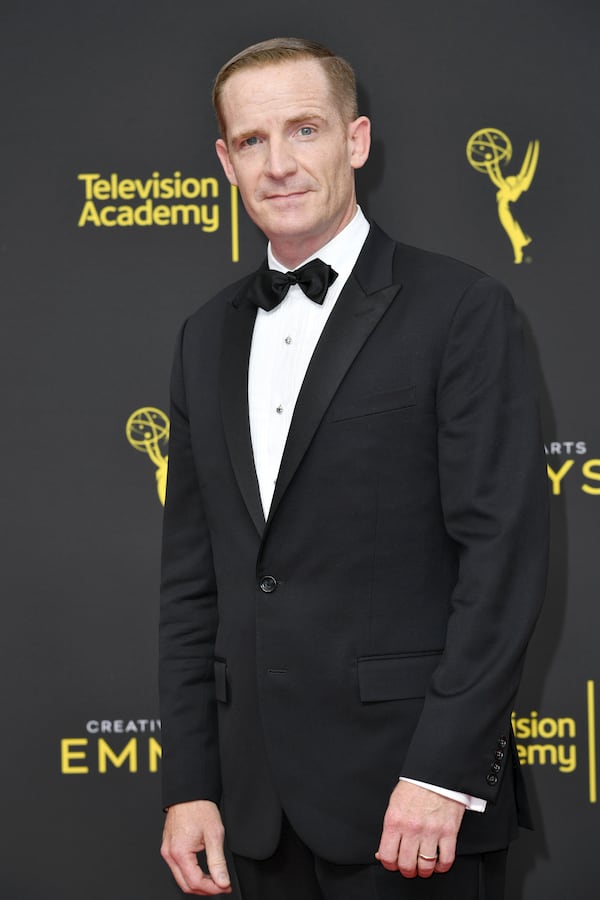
(287,196)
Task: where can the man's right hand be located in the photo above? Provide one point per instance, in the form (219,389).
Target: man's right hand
(190,828)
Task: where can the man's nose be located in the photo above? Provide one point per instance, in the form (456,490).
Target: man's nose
(280,160)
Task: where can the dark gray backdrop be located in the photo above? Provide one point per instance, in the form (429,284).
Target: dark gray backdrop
(88,325)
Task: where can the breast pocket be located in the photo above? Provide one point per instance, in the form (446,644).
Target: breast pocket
(404,676)
(376,404)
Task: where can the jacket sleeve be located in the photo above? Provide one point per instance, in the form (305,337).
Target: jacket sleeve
(188,621)
(494,497)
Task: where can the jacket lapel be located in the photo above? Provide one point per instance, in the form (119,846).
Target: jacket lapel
(363,301)
(235,353)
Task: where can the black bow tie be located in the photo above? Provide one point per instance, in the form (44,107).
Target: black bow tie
(270,286)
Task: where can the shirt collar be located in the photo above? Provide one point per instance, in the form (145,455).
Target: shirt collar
(341,252)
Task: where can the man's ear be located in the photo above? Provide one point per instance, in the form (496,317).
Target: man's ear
(223,154)
(359,135)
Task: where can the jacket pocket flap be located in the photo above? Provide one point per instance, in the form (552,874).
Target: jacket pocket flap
(221,680)
(386,401)
(403,677)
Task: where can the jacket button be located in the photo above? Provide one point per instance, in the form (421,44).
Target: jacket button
(499,754)
(502,743)
(495,767)
(268,584)
(492,779)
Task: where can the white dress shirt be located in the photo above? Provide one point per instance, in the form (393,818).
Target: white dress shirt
(283,342)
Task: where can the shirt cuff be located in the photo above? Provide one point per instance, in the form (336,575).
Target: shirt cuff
(474,804)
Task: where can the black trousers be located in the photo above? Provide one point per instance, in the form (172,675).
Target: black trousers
(295,873)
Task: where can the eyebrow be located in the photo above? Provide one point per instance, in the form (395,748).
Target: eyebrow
(307,116)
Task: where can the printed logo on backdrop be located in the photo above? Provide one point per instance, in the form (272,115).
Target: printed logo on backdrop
(147,430)
(130,746)
(570,467)
(568,463)
(559,742)
(488,151)
(133,745)
(113,201)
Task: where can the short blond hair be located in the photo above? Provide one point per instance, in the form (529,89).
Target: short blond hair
(339,72)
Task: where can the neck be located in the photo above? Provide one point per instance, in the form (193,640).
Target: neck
(291,251)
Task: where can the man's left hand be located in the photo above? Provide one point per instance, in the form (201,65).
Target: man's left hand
(419,823)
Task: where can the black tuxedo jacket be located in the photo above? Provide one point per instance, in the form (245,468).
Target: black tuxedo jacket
(375,624)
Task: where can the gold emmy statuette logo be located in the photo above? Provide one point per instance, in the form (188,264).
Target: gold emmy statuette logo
(487,150)
(147,430)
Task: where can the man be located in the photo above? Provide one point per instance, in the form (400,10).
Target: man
(355,534)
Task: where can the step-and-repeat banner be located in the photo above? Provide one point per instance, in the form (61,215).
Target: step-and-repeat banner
(117,223)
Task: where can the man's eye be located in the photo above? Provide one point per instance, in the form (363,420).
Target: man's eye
(306,130)
(250,141)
